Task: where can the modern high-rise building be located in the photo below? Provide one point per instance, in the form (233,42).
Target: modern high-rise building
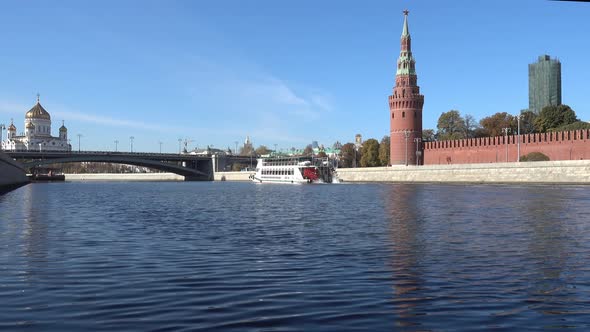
(544,83)
(405,107)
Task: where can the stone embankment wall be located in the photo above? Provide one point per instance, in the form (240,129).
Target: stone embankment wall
(12,173)
(233,176)
(577,171)
(565,145)
(125,177)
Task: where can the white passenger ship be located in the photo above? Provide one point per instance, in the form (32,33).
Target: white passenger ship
(293,170)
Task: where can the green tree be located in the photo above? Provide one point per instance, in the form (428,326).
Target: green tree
(451,125)
(370,153)
(573,126)
(552,117)
(384,151)
(348,154)
(428,135)
(494,124)
(262,150)
(527,122)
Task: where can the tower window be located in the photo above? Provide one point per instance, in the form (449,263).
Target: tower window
(403,114)
(392,115)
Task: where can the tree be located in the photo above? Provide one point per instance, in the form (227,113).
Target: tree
(246,150)
(337,145)
(384,148)
(494,124)
(348,154)
(308,151)
(552,117)
(370,153)
(321,154)
(428,135)
(527,122)
(573,126)
(534,156)
(451,126)
(262,150)
(471,126)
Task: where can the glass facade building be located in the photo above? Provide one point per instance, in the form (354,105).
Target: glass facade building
(544,83)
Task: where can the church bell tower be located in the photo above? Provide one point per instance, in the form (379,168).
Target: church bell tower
(405,107)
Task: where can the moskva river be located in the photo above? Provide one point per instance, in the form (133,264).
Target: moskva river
(245,257)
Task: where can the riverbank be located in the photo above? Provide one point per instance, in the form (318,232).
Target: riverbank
(564,172)
(125,177)
(559,172)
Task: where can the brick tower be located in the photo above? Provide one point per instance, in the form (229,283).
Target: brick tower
(405,106)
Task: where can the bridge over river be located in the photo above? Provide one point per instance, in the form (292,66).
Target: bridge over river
(192,167)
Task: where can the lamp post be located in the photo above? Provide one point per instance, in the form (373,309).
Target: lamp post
(179,145)
(417,140)
(79,136)
(236,150)
(131,138)
(354,160)
(2,128)
(160,142)
(506,131)
(518,144)
(407,135)
(116,145)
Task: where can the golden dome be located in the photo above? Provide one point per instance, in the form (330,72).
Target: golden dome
(38,112)
(30,125)
(12,127)
(63,127)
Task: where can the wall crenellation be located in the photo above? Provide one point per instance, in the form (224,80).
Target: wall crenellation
(564,145)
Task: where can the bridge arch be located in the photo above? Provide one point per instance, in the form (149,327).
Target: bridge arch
(190,172)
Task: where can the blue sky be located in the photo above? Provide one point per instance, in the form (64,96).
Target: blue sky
(283,72)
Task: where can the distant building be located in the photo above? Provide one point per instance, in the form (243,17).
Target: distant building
(37,135)
(544,83)
(358,141)
(211,151)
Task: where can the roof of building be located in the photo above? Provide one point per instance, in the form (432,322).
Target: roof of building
(63,127)
(30,125)
(38,112)
(12,127)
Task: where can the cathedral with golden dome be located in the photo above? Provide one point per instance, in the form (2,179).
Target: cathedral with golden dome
(37,134)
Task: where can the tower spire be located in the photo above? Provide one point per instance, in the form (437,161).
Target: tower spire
(38,96)
(406,30)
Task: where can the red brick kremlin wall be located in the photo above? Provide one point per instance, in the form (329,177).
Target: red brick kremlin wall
(565,145)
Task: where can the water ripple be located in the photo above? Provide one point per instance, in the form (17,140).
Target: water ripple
(245,257)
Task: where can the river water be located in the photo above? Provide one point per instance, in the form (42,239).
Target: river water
(244,257)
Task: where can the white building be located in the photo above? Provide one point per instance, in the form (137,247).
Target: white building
(37,134)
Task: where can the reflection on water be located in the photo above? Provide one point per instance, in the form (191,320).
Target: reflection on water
(405,231)
(240,256)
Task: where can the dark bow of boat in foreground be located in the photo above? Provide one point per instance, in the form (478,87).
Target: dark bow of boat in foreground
(12,174)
